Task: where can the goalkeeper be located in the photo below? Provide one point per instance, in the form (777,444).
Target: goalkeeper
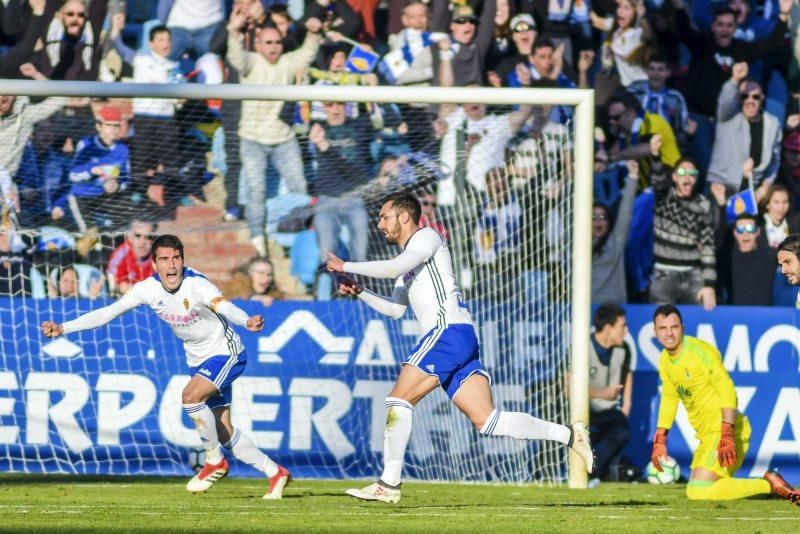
(691,371)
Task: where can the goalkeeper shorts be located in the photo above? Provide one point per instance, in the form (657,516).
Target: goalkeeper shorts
(706,454)
(221,371)
(449,353)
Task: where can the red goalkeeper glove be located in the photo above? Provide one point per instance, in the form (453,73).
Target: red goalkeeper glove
(659,448)
(726,450)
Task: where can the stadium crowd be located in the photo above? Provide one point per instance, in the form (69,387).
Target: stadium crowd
(697,144)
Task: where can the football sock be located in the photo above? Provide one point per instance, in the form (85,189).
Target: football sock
(245,450)
(520,425)
(206,426)
(399,415)
(726,489)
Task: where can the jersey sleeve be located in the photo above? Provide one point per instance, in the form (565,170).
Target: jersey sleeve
(211,297)
(669,401)
(101,316)
(420,248)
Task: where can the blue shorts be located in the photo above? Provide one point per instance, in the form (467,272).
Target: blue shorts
(451,354)
(221,371)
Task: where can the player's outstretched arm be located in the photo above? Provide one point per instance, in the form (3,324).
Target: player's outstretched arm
(408,260)
(235,314)
(394,306)
(90,320)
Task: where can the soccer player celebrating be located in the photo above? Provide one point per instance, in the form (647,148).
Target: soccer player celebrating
(691,371)
(447,354)
(200,316)
(789,261)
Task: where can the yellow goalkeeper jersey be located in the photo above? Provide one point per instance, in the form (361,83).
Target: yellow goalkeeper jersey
(696,377)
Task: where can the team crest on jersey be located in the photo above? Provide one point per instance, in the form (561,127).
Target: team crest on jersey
(688,376)
(683,393)
(186,303)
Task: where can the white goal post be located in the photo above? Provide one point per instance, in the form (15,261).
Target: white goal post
(583,120)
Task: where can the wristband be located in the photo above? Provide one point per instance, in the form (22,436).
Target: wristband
(446,55)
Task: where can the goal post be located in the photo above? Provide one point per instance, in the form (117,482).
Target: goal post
(582,101)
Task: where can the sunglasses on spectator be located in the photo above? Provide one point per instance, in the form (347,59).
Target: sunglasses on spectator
(749,228)
(428,203)
(614,118)
(599,217)
(522,27)
(149,237)
(680,171)
(258,41)
(79,14)
(758,97)
(463,20)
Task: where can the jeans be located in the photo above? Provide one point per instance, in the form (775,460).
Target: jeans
(330,215)
(195,40)
(255,159)
(610,430)
(675,287)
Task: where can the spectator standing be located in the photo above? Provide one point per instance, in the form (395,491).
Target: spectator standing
(523,35)
(156,133)
(685,269)
(471,39)
(610,388)
(608,243)
(789,172)
(340,147)
(72,48)
(335,15)
(263,136)
(748,269)
(713,57)
(744,132)
(778,217)
(429,218)
(131,262)
(633,128)
(655,97)
(629,34)
(22,51)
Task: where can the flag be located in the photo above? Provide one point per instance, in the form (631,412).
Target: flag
(396,62)
(743,202)
(361,61)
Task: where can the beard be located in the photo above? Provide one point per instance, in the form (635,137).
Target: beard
(391,238)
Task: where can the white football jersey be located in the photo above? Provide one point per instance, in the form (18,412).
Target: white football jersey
(431,287)
(187,311)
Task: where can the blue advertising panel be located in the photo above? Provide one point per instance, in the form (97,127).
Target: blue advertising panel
(108,401)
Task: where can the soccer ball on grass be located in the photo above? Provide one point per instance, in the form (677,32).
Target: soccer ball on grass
(670,474)
(197,459)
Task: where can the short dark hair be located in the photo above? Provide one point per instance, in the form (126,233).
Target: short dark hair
(166,241)
(659,57)
(155,30)
(724,10)
(667,310)
(791,244)
(685,159)
(607,315)
(627,99)
(405,202)
(543,42)
(745,216)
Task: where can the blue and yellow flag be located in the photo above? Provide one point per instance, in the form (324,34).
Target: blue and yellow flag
(361,61)
(743,202)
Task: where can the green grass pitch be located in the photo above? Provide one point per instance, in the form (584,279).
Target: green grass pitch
(120,504)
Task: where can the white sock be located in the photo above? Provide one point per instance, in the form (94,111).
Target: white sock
(520,425)
(245,450)
(399,415)
(206,426)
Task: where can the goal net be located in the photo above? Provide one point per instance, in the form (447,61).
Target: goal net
(91,177)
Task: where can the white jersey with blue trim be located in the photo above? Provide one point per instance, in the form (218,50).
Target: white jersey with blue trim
(433,293)
(188,311)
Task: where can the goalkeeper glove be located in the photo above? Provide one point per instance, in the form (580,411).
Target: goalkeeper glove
(659,448)
(726,450)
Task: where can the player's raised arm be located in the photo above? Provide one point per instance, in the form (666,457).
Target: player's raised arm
(94,318)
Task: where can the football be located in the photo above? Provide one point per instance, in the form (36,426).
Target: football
(197,459)
(670,474)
